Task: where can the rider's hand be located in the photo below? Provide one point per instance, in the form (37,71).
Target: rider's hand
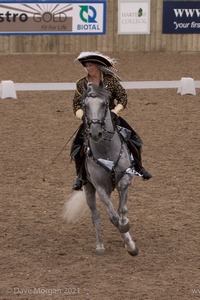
(79,114)
(117,109)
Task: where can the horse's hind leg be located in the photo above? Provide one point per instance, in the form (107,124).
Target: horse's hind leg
(91,201)
(122,209)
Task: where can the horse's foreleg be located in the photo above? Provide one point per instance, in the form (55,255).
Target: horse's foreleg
(122,209)
(105,198)
(91,201)
(129,244)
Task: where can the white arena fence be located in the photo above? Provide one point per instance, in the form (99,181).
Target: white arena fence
(185,86)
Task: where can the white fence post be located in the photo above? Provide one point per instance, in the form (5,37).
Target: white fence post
(8,89)
(187,86)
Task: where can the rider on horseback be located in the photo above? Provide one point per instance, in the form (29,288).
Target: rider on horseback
(100,68)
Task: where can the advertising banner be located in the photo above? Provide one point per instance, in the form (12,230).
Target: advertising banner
(50,17)
(181,17)
(133,16)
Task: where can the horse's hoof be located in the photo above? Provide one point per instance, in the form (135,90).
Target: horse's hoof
(123,228)
(100,251)
(133,252)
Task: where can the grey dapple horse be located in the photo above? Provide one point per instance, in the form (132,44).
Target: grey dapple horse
(107,165)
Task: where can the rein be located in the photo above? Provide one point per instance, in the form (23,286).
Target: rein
(53,161)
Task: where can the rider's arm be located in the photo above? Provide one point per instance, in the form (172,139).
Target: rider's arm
(77,100)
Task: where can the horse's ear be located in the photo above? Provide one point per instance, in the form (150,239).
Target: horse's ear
(101,84)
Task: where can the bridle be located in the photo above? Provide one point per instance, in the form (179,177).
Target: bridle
(101,121)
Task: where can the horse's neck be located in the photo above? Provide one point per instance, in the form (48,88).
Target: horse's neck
(110,145)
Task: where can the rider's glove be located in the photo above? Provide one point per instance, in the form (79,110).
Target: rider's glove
(117,109)
(79,114)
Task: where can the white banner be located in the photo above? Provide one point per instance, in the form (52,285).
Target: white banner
(46,17)
(133,17)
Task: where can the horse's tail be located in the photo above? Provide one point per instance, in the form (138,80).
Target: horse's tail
(75,207)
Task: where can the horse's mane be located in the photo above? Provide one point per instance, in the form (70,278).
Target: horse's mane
(100,90)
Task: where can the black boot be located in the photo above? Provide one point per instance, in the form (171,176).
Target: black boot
(78,184)
(145,174)
(80,171)
(135,146)
(77,154)
(138,161)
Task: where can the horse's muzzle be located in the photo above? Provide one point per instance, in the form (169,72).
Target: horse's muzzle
(96,136)
(96,132)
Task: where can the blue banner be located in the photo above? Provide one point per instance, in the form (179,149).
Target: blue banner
(181,17)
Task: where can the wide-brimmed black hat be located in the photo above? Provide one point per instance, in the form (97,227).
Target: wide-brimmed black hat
(95,57)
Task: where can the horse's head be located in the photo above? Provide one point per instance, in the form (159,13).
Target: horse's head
(96,110)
